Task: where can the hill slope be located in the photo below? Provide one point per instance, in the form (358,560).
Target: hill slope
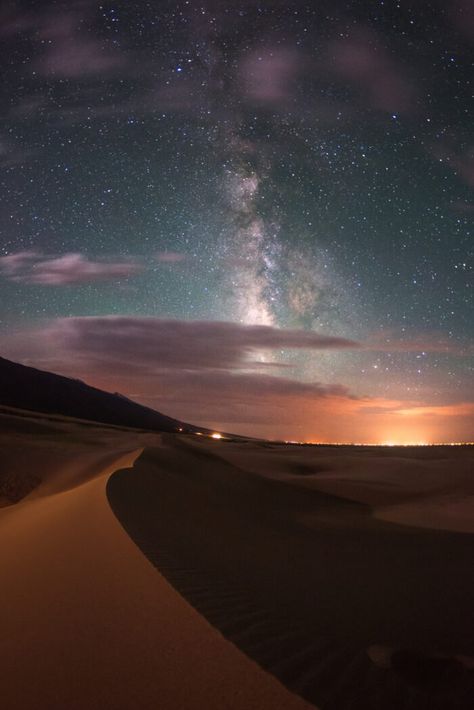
(40,391)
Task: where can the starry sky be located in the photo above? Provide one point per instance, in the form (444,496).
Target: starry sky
(252,216)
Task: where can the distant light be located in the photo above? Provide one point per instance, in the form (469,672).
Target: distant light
(374,443)
(404,443)
(216,436)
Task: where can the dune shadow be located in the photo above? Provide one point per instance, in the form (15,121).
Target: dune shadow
(304,602)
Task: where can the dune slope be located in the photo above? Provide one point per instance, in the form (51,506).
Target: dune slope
(306,582)
(86,621)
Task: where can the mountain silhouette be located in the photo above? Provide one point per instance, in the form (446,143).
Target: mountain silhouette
(28,388)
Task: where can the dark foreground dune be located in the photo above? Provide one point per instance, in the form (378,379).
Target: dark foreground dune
(347,610)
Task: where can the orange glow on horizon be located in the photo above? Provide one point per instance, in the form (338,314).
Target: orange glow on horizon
(383,444)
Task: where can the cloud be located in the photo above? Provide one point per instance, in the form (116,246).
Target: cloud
(152,344)
(171,257)
(239,398)
(462,409)
(70,52)
(363,61)
(423,343)
(13,264)
(73,54)
(75,58)
(268,75)
(69,269)
(460,161)
(13,21)
(204,372)
(196,370)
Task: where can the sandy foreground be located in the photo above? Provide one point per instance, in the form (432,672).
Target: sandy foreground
(284,550)
(86,621)
(281,577)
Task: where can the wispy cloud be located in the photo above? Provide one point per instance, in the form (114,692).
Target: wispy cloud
(462,409)
(362,60)
(69,50)
(171,257)
(422,343)
(268,75)
(65,270)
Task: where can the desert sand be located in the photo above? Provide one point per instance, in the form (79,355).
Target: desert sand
(423,486)
(86,621)
(282,548)
(145,571)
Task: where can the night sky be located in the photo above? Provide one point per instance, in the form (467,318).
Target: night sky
(252,216)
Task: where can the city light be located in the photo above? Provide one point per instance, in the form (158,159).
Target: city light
(383,444)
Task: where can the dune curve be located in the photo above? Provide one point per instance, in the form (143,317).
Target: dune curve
(304,582)
(87,622)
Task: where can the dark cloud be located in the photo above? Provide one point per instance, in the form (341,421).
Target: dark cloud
(153,344)
(238,398)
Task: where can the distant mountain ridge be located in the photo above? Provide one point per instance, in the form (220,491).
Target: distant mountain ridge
(26,387)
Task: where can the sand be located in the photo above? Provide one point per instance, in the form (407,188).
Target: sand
(422,486)
(176,572)
(311,584)
(86,621)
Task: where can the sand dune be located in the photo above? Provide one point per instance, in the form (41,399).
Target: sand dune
(86,621)
(308,583)
(429,487)
(302,595)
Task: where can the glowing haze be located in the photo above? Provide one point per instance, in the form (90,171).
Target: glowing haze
(257,218)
